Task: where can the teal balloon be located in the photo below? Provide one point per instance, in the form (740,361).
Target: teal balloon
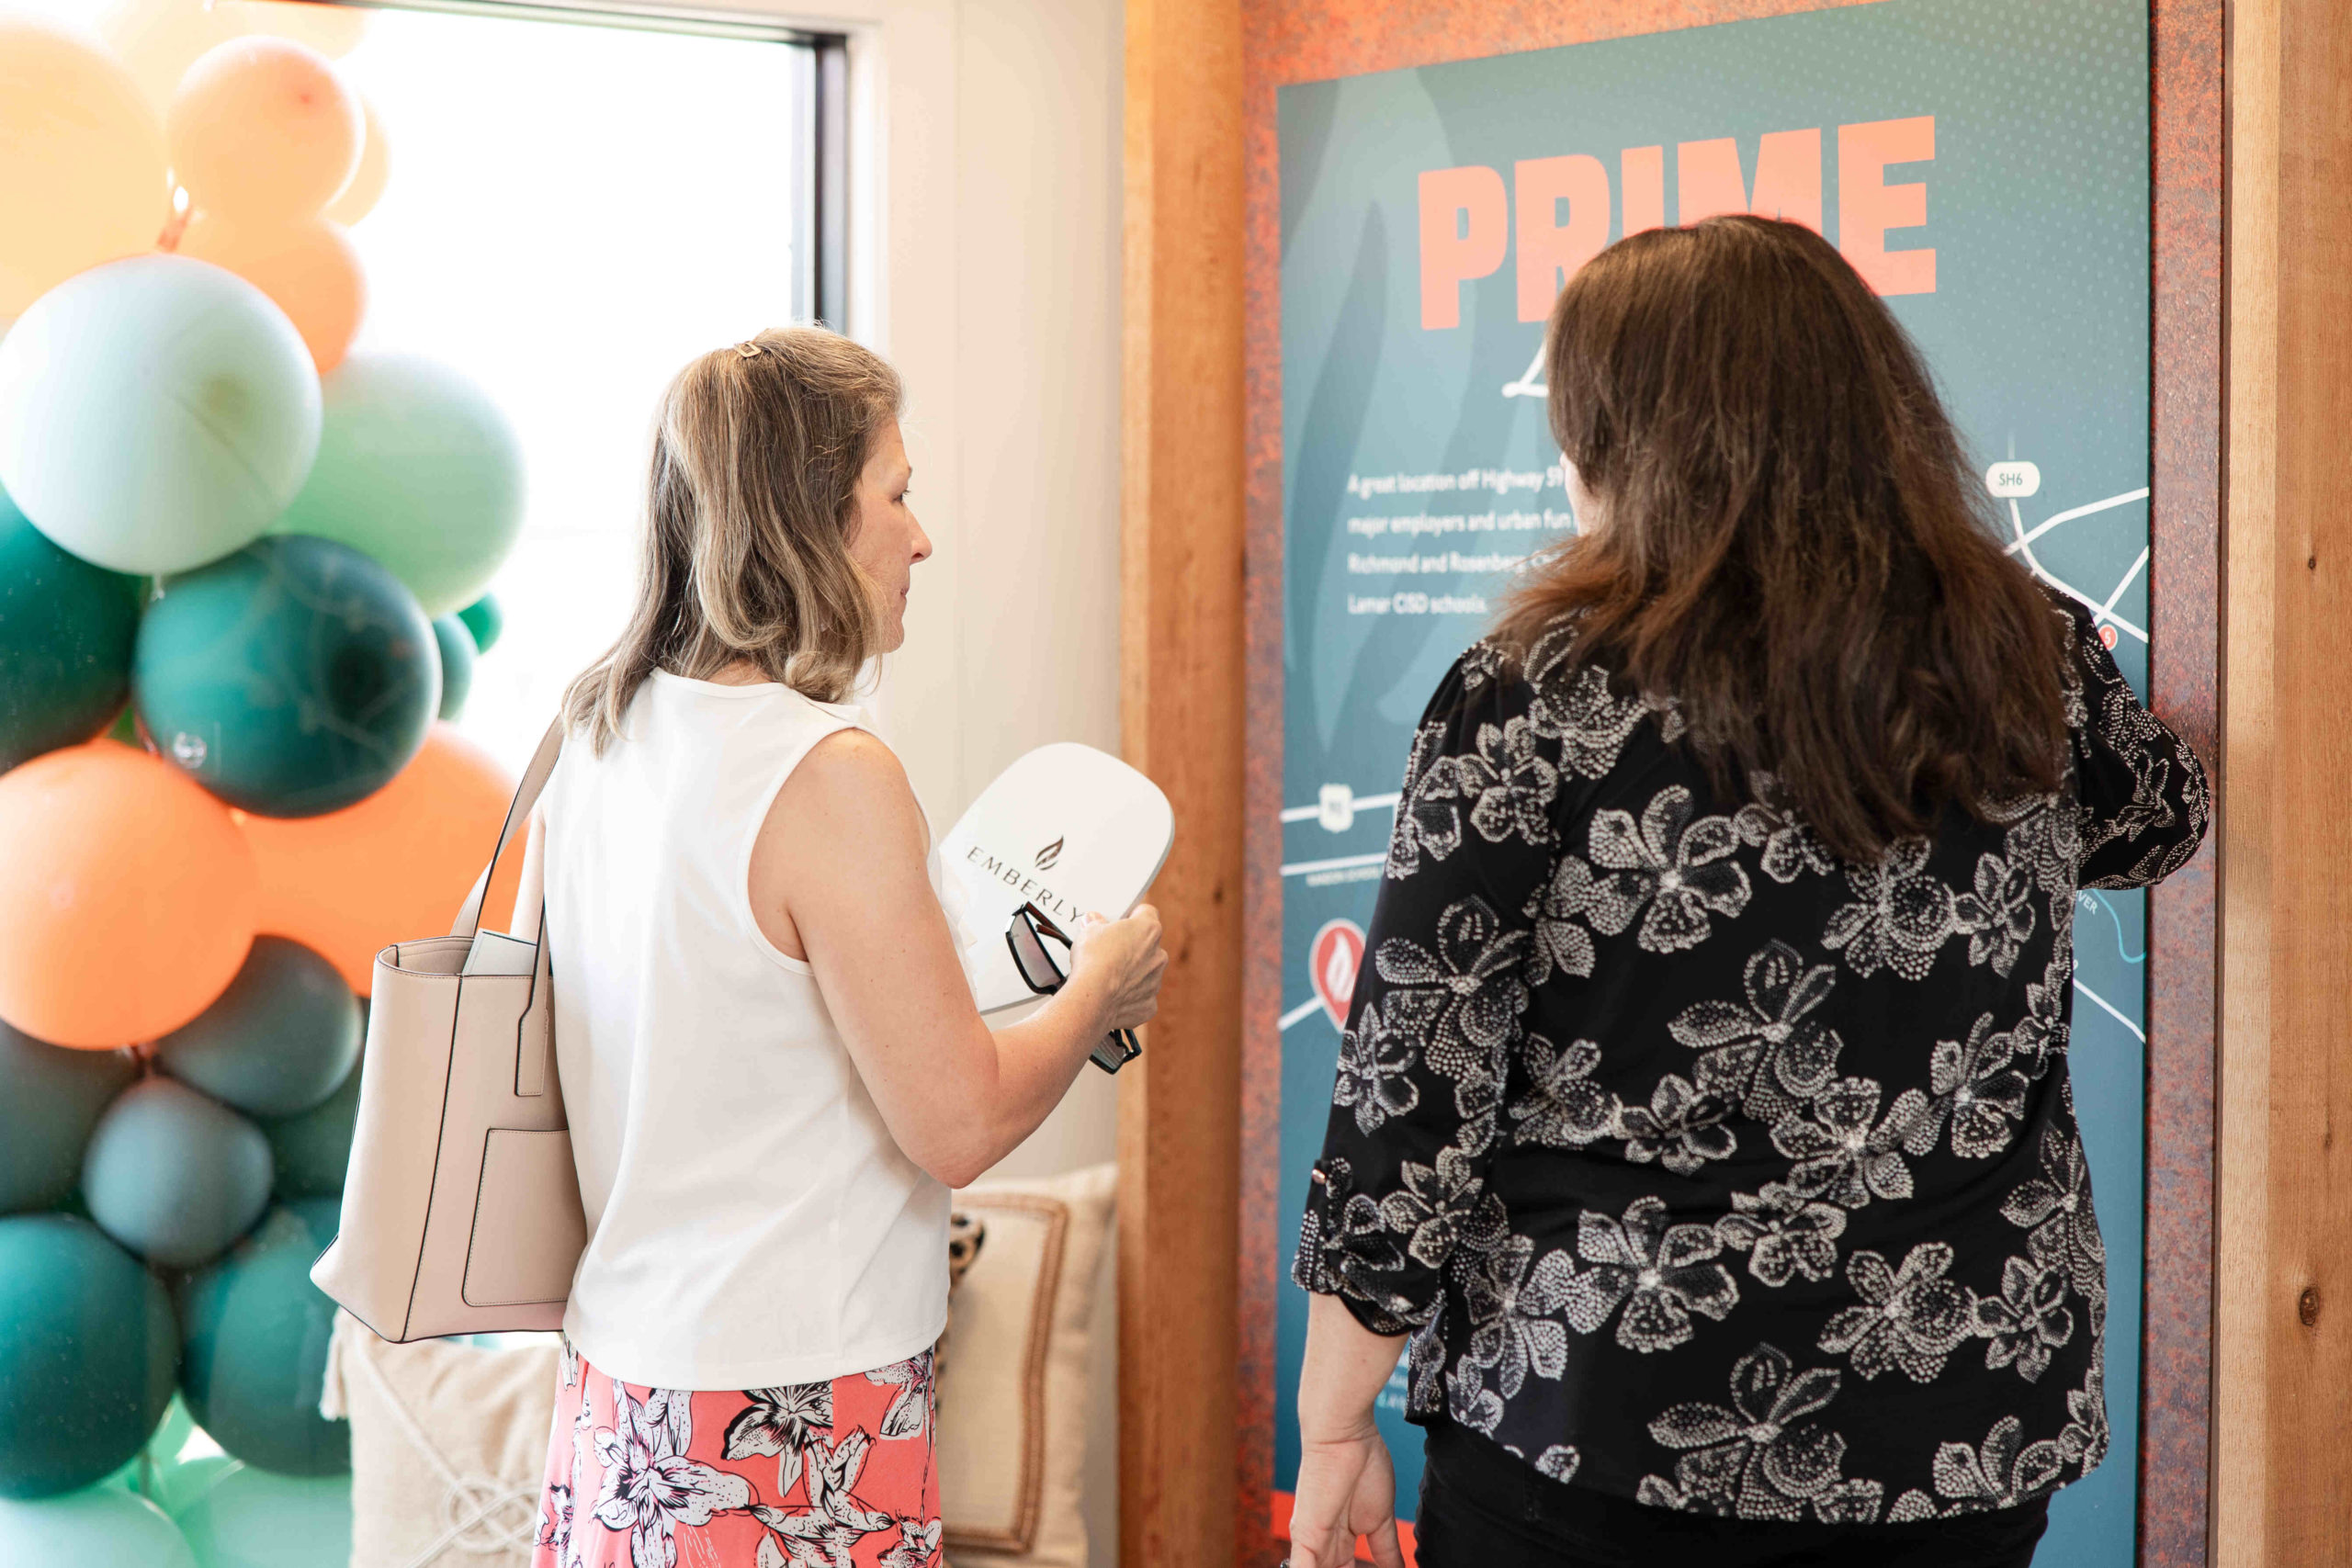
(87,1356)
(293,679)
(66,632)
(254,1356)
(458,654)
(312,1151)
(107,1528)
(250,1518)
(485,620)
(174,1176)
(278,1042)
(155,413)
(50,1100)
(418,469)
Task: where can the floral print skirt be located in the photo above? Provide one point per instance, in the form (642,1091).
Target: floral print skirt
(838,1474)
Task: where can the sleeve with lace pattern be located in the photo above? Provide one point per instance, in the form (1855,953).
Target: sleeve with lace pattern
(1439,1004)
(2145,802)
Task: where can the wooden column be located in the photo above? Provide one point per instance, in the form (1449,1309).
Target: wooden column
(2283,1383)
(1181,714)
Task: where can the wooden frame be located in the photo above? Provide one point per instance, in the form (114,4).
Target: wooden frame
(2283,1465)
(1180,708)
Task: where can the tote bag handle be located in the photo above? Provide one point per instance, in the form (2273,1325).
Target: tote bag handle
(527,796)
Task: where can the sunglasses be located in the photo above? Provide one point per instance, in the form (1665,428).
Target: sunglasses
(1033,938)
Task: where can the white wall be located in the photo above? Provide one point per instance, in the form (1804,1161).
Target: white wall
(986,265)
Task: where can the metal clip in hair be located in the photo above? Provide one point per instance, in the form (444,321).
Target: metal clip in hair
(747,350)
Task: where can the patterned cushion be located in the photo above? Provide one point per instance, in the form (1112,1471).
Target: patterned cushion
(1013,1408)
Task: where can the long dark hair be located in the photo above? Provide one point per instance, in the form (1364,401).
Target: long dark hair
(1793,548)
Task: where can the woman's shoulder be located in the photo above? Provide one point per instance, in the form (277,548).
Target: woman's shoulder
(1551,697)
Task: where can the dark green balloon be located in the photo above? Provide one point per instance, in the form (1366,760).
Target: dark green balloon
(292,678)
(485,620)
(87,1355)
(67,633)
(278,1041)
(256,1353)
(174,1176)
(312,1151)
(49,1099)
(457,656)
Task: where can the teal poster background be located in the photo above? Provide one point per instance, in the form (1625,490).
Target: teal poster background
(1416,469)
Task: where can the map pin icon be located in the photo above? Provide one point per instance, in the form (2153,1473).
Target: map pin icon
(1331,961)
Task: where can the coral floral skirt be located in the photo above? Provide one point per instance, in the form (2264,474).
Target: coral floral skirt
(836,1474)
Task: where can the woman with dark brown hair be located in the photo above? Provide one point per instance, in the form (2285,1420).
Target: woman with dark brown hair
(1703,1118)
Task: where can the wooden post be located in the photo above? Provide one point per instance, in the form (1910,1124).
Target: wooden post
(1180,716)
(2283,1447)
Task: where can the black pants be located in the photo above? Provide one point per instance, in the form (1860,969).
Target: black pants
(1481,1507)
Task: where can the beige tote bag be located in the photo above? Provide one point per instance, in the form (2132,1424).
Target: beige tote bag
(461,1209)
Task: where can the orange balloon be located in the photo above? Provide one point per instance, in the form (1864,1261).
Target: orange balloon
(263,130)
(309,268)
(392,868)
(82,177)
(159,40)
(359,197)
(127,897)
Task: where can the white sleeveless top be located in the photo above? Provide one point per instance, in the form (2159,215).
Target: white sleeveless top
(751,1221)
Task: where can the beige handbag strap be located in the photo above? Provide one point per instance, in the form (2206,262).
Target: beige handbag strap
(527,796)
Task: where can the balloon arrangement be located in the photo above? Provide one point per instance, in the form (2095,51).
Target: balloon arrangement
(242,576)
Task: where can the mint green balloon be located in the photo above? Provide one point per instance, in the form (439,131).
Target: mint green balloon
(103,1528)
(155,413)
(417,468)
(180,1484)
(250,1518)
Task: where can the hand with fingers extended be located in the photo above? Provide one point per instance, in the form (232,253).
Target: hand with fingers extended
(1347,1488)
(1122,962)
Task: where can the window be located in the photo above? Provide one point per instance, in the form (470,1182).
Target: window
(573,212)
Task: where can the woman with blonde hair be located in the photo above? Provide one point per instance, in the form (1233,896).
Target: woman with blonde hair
(1702,1119)
(770,1055)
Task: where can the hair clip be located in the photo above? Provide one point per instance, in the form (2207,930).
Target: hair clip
(747,350)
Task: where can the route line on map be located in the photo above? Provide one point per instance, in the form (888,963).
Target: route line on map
(1303,1011)
(2091,899)
(2117,1013)
(2023,545)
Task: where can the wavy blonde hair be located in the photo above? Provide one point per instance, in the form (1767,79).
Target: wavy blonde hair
(749,506)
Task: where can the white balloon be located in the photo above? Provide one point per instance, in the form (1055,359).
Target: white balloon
(102,1528)
(155,413)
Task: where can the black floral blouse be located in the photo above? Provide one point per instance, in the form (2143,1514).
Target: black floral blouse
(1705,1169)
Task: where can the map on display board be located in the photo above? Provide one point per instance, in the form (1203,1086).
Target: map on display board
(1983,162)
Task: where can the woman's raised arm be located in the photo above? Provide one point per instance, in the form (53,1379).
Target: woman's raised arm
(838,876)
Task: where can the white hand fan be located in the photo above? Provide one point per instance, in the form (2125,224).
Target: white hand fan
(1069,829)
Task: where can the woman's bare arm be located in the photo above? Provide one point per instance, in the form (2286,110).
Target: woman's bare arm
(838,876)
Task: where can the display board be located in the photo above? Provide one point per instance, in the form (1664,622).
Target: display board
(1983,162)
